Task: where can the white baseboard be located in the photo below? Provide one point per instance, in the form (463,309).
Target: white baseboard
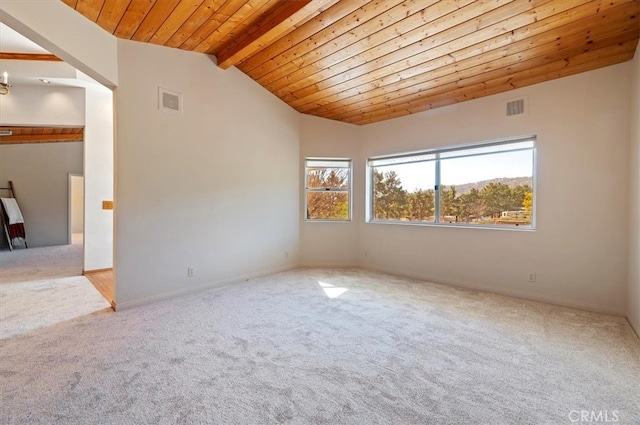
(565,302)
(217,284)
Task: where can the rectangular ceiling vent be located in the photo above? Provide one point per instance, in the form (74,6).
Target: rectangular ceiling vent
(6,132)
(515,107)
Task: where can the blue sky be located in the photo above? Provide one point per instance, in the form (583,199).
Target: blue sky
(459,171)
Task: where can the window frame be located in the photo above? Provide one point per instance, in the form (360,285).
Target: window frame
(436,154)
(348,190)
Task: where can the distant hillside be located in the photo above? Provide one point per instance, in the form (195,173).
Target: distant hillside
(509,181)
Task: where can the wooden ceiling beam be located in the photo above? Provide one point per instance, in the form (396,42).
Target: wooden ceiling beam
(305,39)
(341,14)
(280,24)
(30,56)
(242,21)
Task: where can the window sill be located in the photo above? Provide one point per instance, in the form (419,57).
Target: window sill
(456,226)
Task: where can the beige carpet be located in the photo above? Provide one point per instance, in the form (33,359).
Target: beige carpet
(325,347)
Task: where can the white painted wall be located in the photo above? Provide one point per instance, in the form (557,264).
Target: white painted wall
(98,179)
(42,106)
(633,303)
(40,176)
(215,189)
(66,33)
(579,250)
(77,204)
(330,243)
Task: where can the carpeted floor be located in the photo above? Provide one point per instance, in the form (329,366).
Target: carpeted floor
(325,347)
(50,262)
(40,287)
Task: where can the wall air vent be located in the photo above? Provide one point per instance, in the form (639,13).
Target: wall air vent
(169,101)
(515,107)
(6,132)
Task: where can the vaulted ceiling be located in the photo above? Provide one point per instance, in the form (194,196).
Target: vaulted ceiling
(362,61)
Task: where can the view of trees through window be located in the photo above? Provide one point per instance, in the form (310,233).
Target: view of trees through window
(490,185)
(328,189)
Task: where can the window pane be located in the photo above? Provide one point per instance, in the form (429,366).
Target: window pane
(328,163)
(404,192)
(487,189)
(328,205)
(337,178)
(478,150)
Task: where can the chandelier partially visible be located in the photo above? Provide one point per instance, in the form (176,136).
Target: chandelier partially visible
(4,84)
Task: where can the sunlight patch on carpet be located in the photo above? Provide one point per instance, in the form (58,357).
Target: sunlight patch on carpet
(332,291)
(27,306)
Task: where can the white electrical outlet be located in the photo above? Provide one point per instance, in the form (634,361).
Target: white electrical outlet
(532,277)
(190,272)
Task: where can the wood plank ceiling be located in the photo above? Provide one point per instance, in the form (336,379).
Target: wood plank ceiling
(20,135)
(363,61)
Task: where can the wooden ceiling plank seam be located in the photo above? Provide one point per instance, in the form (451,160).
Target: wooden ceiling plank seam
(330,16)
(270,30)
(523,60)
(133,17)
(236,25)
(516,29)
(112,13)
(181,14)
(416,42)
(30,56)
(370,11)
(70,3)
(156,17)
(496,89)
(228,9)
(194,22)
(464,19)
(405,14)
(571,34)
(90,8)
(37,131)
(453,89)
